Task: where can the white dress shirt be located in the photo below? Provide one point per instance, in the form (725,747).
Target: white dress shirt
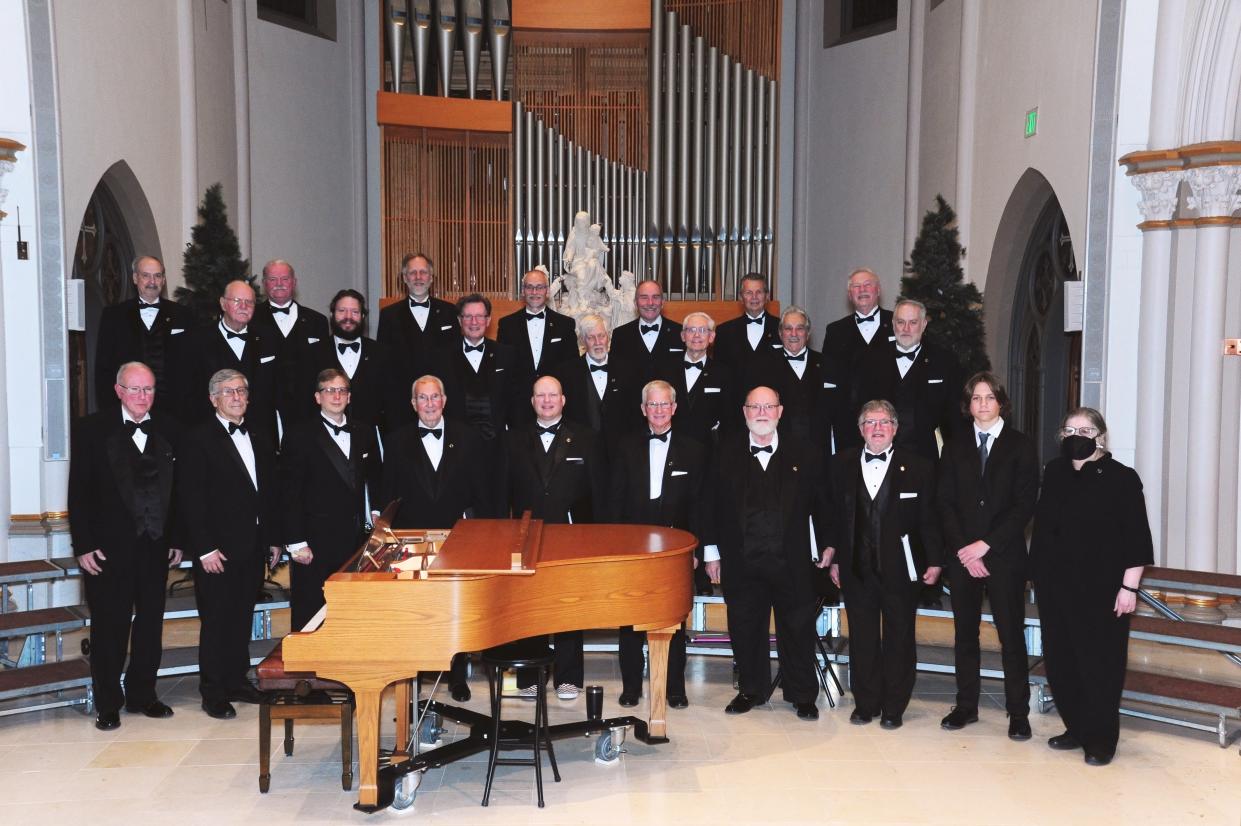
(237,345)
(799,366)
(658,453)
(874,471)
(994,433)
(285,321)
(693,374)
(147,312)
(903,364)
(548,438)
(754,332)
(140,438)
(420,313)
(870,327)
(474,357)
(433,446)
(342,439)
(534,330)
(648,338)
(711,553)
(349,359)
(599,377)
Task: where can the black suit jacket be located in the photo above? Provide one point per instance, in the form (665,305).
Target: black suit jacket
(559,344)
(910,508)
(628,347)
(619,411)
(120,340)
(843,342)
(810,402)
(372,399)
(310,328)
(412,347)
(102,510)
(711,408)
(206,351)
(681,503)
(218,505)
(565,484)
(732,342)
(463,485)
(497,372)
(994,506)
(928,397)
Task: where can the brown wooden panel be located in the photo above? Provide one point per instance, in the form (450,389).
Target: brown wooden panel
(746,30)
(582,15)
(434,112)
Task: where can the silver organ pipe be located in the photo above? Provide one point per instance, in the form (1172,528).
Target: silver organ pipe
(499,31)
(397,24)
(420,34)
(445,41)
(471,25)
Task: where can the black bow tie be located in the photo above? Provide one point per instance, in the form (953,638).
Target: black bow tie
(648,328)
(758,320)
(230,334)
(663,437)
(338,429)
(423,432)
(755,449)
(342,346)
(142,305)
(913,354)
(799,357)
(284,310)
(473,348)
(881,457)
(595,368)
(862,319)
(134,427)
(233,427)
(693,365)
(532,316)
(413,303)
(551,428)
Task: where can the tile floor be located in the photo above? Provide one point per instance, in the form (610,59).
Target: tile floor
(763,767)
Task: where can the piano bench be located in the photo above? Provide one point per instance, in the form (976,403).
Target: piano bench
(293,696)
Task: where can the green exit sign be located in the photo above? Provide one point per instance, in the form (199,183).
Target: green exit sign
(1032,122)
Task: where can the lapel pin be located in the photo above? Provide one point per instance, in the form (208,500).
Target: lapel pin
(450,444)
(794,468)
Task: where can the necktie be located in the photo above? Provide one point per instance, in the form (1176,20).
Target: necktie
(338,429)
(284,310)
(911,355)
(862,319)
(413,303)
(533,316)
(230,334)
(758,320)
(693,365)
(550,429)
(882,457)
(133,427)
(755,449)
(663,437)
(437,432)
(649,328)
(342,346)
(234,427)
(982,451)
(473,348)
(799,357)
(596,368)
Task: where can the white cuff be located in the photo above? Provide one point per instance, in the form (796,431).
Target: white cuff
(296,546)
(710,553)
(216,552)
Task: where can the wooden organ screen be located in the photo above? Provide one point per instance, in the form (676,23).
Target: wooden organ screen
(746,30)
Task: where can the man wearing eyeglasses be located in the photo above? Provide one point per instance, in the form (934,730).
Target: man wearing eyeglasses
(704,385)
(365,362)
(121,523)
(884,545)
(541,338)
(479,373)
(601,392)
(229,512)
(295,328)
(768,488)
(327,468)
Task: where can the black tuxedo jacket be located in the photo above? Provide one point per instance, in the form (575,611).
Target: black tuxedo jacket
(310,328)
(102,510)
(567,483)
(463,485)
(120,340)
(559,344)
(732,343)
(910,508)
(994,506)
(217,504)
(629,349)
(619,411)
(843,342)
(206,351)
(681,503)
(802,492)
(372,396)
(412,347)
(810,402)
(711,408)
(928,397)
(497,370)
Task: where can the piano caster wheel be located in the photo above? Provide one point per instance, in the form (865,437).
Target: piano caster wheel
(431,729)
(406,790)
(609,745)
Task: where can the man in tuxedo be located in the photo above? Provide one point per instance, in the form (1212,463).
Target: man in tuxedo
(143,329)
(658,480)
(556,471)
(848,339)
(768,488)
(120,520)
(641,343)
(228,513)
(414,328)
(755,331)
(988,487)
(365,362)
(327,469)
(295,328)
(884,545)
(601,392)
(442,471)
(478,373)
(704,385)
(541,338)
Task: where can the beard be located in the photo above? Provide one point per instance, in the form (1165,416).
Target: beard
(761,428)
(347,335)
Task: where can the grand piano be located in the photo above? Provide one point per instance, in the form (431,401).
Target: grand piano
(409,600)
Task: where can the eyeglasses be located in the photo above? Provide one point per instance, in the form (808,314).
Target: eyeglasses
(230,392)
(761,408)
(423,398)
(335,391)
(534,288)
(657,405)
(878,423)
(697,331)
(240,302)
(137,391)
(474,317)
(1088,432)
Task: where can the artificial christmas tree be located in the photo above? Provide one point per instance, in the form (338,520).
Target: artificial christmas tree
(212,258)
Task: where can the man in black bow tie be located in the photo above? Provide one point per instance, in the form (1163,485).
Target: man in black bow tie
(373,398)
(885,544)
(744,338)
(479,373)
(641,343)
(541,338)
(768,488)
(295,328)
(847,340)
(121,522)
(144,329)
(229,512)
(601,392)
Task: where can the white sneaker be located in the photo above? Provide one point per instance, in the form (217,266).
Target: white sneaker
(530,692)
(567,691)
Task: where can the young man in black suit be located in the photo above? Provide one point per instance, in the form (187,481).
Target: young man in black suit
(601,392)
(988,487)
(479,373)
(556,471)
(755,331)
(365,362)
(885,544)
(541,338)
(658,480)
(412,329)
(144,328)
(296,329)
(641,343)
(228,512)
(329,470)
(121,521)
(768,487)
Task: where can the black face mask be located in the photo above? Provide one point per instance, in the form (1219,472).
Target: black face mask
(1077,447)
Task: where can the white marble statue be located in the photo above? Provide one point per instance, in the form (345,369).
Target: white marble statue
(585,286)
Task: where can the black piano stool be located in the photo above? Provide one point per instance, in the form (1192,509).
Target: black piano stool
(533,653)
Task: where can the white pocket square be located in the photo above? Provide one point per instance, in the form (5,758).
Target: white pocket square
(676,349)
(574,459)
(312,340)
(827,385)
(934,381)
(176,331)
(446,327)
(558,338)
(909,496)
(364,455)
(680,473)
(266,359)
(891,338)
(711,390)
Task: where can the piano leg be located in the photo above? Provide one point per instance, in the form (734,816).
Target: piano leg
(367,704)
(657,641)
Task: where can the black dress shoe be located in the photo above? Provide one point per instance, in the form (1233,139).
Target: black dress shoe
(246,694)
(860,719)
(1063,742)
(1019,728)
(742,703)
(460,693)
(154,709)
(1093,759)
(890,721)
(959,718)
(628,699)
(807,711)
(678,701)
(219,709)
(108,720)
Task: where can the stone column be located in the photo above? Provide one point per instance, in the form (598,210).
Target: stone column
(8,156)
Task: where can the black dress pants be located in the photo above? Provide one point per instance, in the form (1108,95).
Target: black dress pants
(632,662)
(568,663)
(226,612)
(883,655)
(1006,590)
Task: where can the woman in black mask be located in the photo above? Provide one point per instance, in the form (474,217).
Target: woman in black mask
(1091,541)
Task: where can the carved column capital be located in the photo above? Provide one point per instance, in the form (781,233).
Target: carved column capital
(1215,191)
(1159,193)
